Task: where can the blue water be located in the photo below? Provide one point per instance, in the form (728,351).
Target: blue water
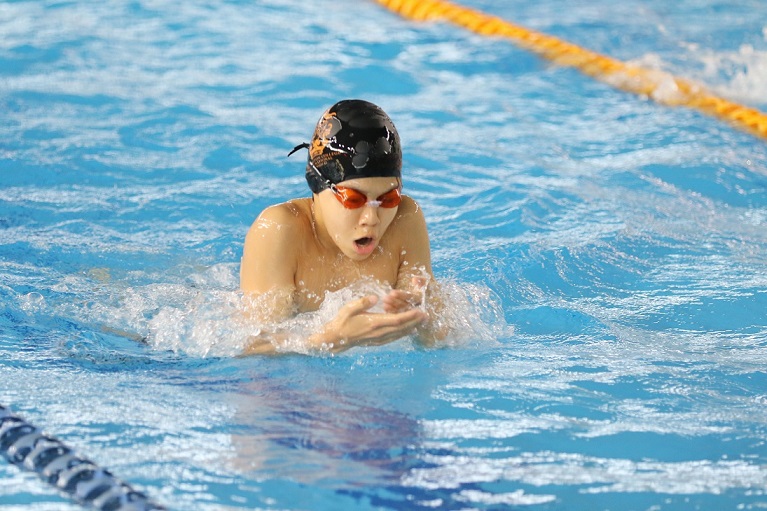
(608,255)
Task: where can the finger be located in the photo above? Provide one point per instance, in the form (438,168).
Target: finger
(396,294)
(396,301)
(359,306)
(406,319)
(390,333)
(395,308)
(390,326)
(405,297)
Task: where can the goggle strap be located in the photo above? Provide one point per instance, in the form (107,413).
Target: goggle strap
(303,145)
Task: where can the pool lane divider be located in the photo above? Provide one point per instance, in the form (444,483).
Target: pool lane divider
(25,446)
(657,85)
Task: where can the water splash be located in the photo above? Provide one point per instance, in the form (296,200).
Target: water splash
(209,321)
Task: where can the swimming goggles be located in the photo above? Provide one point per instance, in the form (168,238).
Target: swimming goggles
(354,199)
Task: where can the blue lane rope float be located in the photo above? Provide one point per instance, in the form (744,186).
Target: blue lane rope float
(25,446)
(660,87)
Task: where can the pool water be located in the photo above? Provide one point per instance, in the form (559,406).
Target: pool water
(606,257)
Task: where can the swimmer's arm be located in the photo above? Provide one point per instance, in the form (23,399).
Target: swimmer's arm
(269,261)
(266,276)
(433,330)
(416,286)
(353,326)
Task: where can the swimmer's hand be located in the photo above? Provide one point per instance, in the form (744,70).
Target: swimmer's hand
(356,326)
(430,331)
(400,300)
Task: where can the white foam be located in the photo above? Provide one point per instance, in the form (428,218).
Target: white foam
(739,75)
(208,316)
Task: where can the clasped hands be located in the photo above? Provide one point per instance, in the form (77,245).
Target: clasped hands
(355,325)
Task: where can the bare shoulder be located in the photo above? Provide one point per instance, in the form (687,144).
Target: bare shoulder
(410,217)
(293,213)
(409,232)
(281,222)
(280,229)
(412,238)
(273,245)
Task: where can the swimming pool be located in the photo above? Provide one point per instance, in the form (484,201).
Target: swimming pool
(611,254)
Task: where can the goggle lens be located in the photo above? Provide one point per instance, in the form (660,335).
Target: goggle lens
(354,199)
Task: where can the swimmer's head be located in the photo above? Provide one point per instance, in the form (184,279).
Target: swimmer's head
(353,139)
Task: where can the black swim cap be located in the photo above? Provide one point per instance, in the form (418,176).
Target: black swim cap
(353,139)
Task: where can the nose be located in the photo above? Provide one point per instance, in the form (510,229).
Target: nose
(369,215)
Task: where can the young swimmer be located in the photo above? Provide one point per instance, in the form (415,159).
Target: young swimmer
(356,226)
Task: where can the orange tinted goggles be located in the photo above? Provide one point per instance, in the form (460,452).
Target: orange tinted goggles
(354,199)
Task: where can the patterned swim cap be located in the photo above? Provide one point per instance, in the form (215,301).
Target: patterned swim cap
(353,139)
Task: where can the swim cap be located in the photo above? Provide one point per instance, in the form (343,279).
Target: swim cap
(353,139)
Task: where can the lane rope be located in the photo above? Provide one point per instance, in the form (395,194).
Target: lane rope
(25,446)
(659,86)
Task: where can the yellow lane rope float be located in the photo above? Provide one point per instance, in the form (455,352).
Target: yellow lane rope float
(657,85)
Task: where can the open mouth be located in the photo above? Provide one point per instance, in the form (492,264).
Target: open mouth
(365,246)
(363,242)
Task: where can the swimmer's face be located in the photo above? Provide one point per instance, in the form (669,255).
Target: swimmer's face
(357,232)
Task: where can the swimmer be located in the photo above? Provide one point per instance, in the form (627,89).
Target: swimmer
(356,226)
